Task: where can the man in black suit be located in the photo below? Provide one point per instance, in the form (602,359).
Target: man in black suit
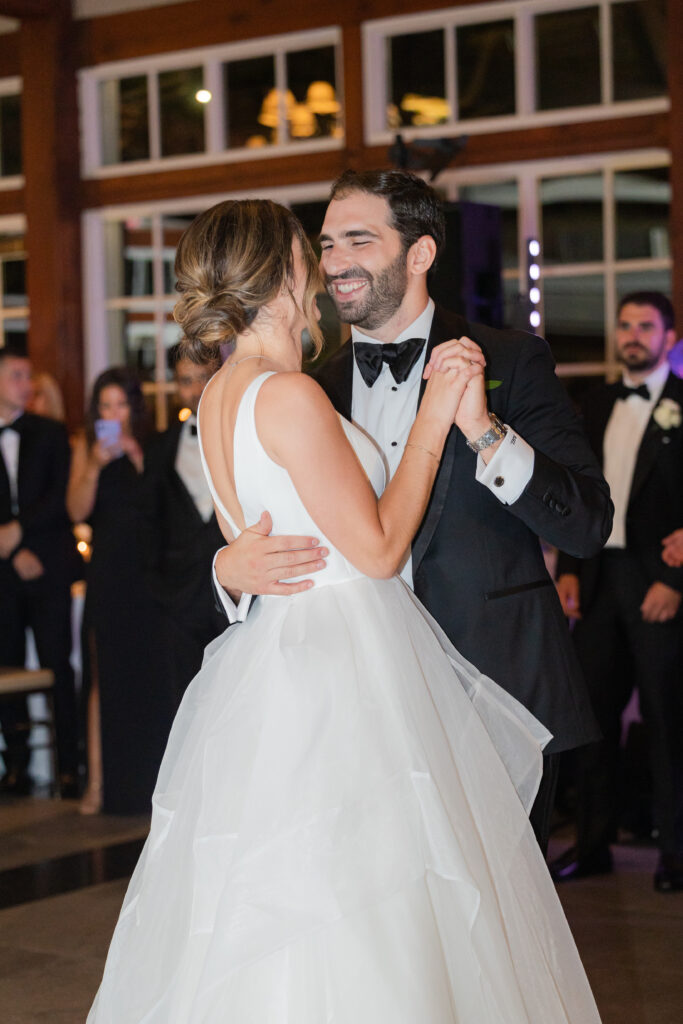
(627,600)
(476,561)
(37,561)
(182,532)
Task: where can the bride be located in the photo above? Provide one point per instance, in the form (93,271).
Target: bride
(339,830)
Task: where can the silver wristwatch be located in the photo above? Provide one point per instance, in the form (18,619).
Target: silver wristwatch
(496,432)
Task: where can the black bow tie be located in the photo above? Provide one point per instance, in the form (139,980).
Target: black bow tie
(401,358)
(624,391)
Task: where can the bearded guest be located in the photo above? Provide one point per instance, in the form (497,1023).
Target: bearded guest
(628,598)
(182,533)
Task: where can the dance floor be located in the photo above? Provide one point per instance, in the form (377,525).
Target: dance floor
(62,879)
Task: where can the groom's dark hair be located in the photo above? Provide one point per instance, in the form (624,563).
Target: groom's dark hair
(416,209)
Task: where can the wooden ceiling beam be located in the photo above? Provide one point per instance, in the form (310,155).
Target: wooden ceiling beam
(23,9)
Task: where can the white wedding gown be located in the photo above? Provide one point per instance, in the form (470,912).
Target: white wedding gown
(335,836)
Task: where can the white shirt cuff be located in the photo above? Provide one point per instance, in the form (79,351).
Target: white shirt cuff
(510,469)
(235,613)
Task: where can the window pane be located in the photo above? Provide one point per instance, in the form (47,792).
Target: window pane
(567,58)
(15,333)
(172,227)
(572,219)
(639,49)
(644,280)
(124,120)
(14,283)
(575,318)
(486,69)
(132,340)
(417,80)
(504,195)
(10,135)
(180,112)
(129,253)
(315,111)
(642,200)
(250,102)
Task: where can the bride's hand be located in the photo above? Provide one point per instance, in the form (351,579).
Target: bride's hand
(452,368)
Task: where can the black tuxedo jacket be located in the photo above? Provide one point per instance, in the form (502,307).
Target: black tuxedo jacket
(179,545)
(655,505)
(43,473)
(477,564)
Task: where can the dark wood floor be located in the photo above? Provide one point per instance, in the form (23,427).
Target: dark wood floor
(62,879)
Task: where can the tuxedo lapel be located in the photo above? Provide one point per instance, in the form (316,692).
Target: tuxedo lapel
(651,443)
(440,332)
(336,377)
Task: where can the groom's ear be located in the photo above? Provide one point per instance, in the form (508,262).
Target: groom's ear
(421,255)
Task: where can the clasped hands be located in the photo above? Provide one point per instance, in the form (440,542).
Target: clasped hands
(256,563)
(26,564)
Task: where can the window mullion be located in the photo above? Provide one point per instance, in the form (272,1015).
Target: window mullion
(154,115)
(606,55)
(451,73)
(214,115)
(525,63)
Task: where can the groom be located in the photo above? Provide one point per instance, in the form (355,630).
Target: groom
(476,561)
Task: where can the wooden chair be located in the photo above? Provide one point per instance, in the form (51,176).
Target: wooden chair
(18,682)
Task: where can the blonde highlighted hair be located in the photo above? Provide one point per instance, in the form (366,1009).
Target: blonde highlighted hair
(234,259)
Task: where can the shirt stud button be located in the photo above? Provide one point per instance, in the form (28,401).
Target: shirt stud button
(394,388)
(394,443)
(499,481)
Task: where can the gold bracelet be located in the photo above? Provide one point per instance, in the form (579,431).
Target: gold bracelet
(411,444)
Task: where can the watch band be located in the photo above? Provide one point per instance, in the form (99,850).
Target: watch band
(496,432)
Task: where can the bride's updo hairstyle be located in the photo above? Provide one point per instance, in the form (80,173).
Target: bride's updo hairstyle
(233,260)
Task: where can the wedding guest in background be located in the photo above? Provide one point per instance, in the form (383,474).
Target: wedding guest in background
(46,398)
(182,534)
(37,565)
(128,711)
(629,596)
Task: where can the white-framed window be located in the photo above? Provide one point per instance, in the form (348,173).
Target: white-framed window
(129,283)
(13,298)
(10,133)
(602,223)
(279,95)
(483,67)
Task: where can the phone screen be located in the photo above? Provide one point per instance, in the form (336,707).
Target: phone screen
(108,432)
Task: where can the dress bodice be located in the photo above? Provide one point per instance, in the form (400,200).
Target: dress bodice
(262,485)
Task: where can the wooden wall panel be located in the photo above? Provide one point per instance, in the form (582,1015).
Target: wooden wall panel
(675,27)
(10,61)
(50,155)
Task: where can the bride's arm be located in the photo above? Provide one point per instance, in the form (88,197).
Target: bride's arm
(301,431)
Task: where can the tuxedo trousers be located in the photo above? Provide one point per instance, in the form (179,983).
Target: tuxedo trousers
(619,650)
(44,605)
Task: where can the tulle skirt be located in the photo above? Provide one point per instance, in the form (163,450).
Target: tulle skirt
(340,836)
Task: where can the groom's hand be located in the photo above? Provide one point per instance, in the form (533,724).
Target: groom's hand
(256,563)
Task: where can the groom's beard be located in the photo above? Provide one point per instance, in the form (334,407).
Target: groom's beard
(379,301)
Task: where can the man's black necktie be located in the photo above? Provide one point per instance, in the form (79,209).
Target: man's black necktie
(400,358)
(624,391)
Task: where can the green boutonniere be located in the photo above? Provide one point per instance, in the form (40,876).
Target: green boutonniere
(491,385)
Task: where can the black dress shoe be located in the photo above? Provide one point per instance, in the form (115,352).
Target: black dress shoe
(669,875)
(570,865)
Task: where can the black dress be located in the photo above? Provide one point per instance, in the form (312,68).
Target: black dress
(122,639)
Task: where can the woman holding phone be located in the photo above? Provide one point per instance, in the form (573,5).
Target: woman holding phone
(127,713)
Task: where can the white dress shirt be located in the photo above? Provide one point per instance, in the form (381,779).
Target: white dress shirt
(9,449)
(623,435)
(188,466)
(386,411)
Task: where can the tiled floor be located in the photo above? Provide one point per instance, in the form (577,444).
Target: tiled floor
(52,949)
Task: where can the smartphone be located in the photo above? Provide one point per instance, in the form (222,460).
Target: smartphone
(109,433)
